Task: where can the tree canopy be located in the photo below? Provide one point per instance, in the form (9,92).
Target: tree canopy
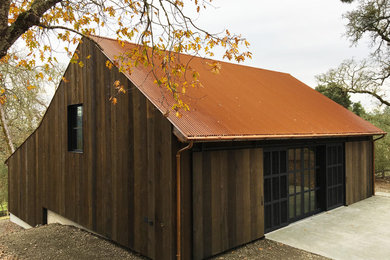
(161,28)
(336,93)
(370,76)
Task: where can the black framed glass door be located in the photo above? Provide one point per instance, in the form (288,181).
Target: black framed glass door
(303,184)
(334,176)
(275,189)
(302,181)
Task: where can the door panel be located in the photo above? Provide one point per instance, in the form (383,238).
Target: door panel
(275,189)
(303,183)
(334,176)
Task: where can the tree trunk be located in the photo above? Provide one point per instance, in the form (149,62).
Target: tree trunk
(5,130)
(383,174)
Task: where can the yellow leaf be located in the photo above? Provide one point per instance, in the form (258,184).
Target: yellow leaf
(109,64)
(113,100)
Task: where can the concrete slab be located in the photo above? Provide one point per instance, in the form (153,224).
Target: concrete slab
(359,231)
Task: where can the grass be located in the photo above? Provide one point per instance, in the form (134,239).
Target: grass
(5,217)
(4,206)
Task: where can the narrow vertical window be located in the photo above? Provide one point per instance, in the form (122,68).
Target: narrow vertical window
(75,128)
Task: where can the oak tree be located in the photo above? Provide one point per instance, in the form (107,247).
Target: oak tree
(161,28)
(371,18)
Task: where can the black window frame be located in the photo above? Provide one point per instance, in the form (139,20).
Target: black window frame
(75,128)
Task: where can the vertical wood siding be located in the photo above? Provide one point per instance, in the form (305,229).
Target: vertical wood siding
(122,185)
(227,195)
(359,171)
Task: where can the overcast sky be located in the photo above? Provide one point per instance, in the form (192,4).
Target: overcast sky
(300,37)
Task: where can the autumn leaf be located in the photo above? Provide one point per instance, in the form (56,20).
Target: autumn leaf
(113,100)
(109,64)
(215,67)
(116,83)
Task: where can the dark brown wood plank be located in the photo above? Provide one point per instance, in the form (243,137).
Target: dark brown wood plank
(197,205)
(152,177)
(186,205)
(215,207)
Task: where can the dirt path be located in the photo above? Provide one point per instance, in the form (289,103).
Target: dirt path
(382,184)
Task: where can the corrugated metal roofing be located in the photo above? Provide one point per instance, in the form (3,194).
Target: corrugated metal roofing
(243,102)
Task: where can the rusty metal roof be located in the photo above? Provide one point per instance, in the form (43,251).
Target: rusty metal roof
(243,102)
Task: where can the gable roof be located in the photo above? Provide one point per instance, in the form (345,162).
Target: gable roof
(244,102)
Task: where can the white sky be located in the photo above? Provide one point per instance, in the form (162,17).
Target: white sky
(302,37)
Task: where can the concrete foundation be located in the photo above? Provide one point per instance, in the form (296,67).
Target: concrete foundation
(53,217)
(18,221)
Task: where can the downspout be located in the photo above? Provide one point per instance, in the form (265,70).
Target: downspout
(178,200)
(373,162)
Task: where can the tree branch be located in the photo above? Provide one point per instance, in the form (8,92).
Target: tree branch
(4,10)
(5,130)
(59,27)
(23,23)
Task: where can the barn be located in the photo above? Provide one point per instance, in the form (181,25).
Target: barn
(258,150)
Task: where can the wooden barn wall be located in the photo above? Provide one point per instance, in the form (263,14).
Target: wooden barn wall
(227,200)
(359,171)
(122,185)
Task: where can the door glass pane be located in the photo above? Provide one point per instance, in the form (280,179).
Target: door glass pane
(267,163)
(298,179)
(313,200)
(334,155)
(306,180)
(283,212)
(283,187)
(291,159)
(291,206)
(275,188)
(275,162)
(283,161)
(298,159)
(306,197)
(291,183)
(340,195)
(276,214)
(306,157)
(330,176)
(312,158)
(340,175)
(267,190)
(312,179)
(340,154)
(268,216)
(298,205)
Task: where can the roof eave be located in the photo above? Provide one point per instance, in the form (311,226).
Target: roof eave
(274,137)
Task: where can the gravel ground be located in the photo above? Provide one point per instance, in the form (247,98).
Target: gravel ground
(382,185)
(56,241)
